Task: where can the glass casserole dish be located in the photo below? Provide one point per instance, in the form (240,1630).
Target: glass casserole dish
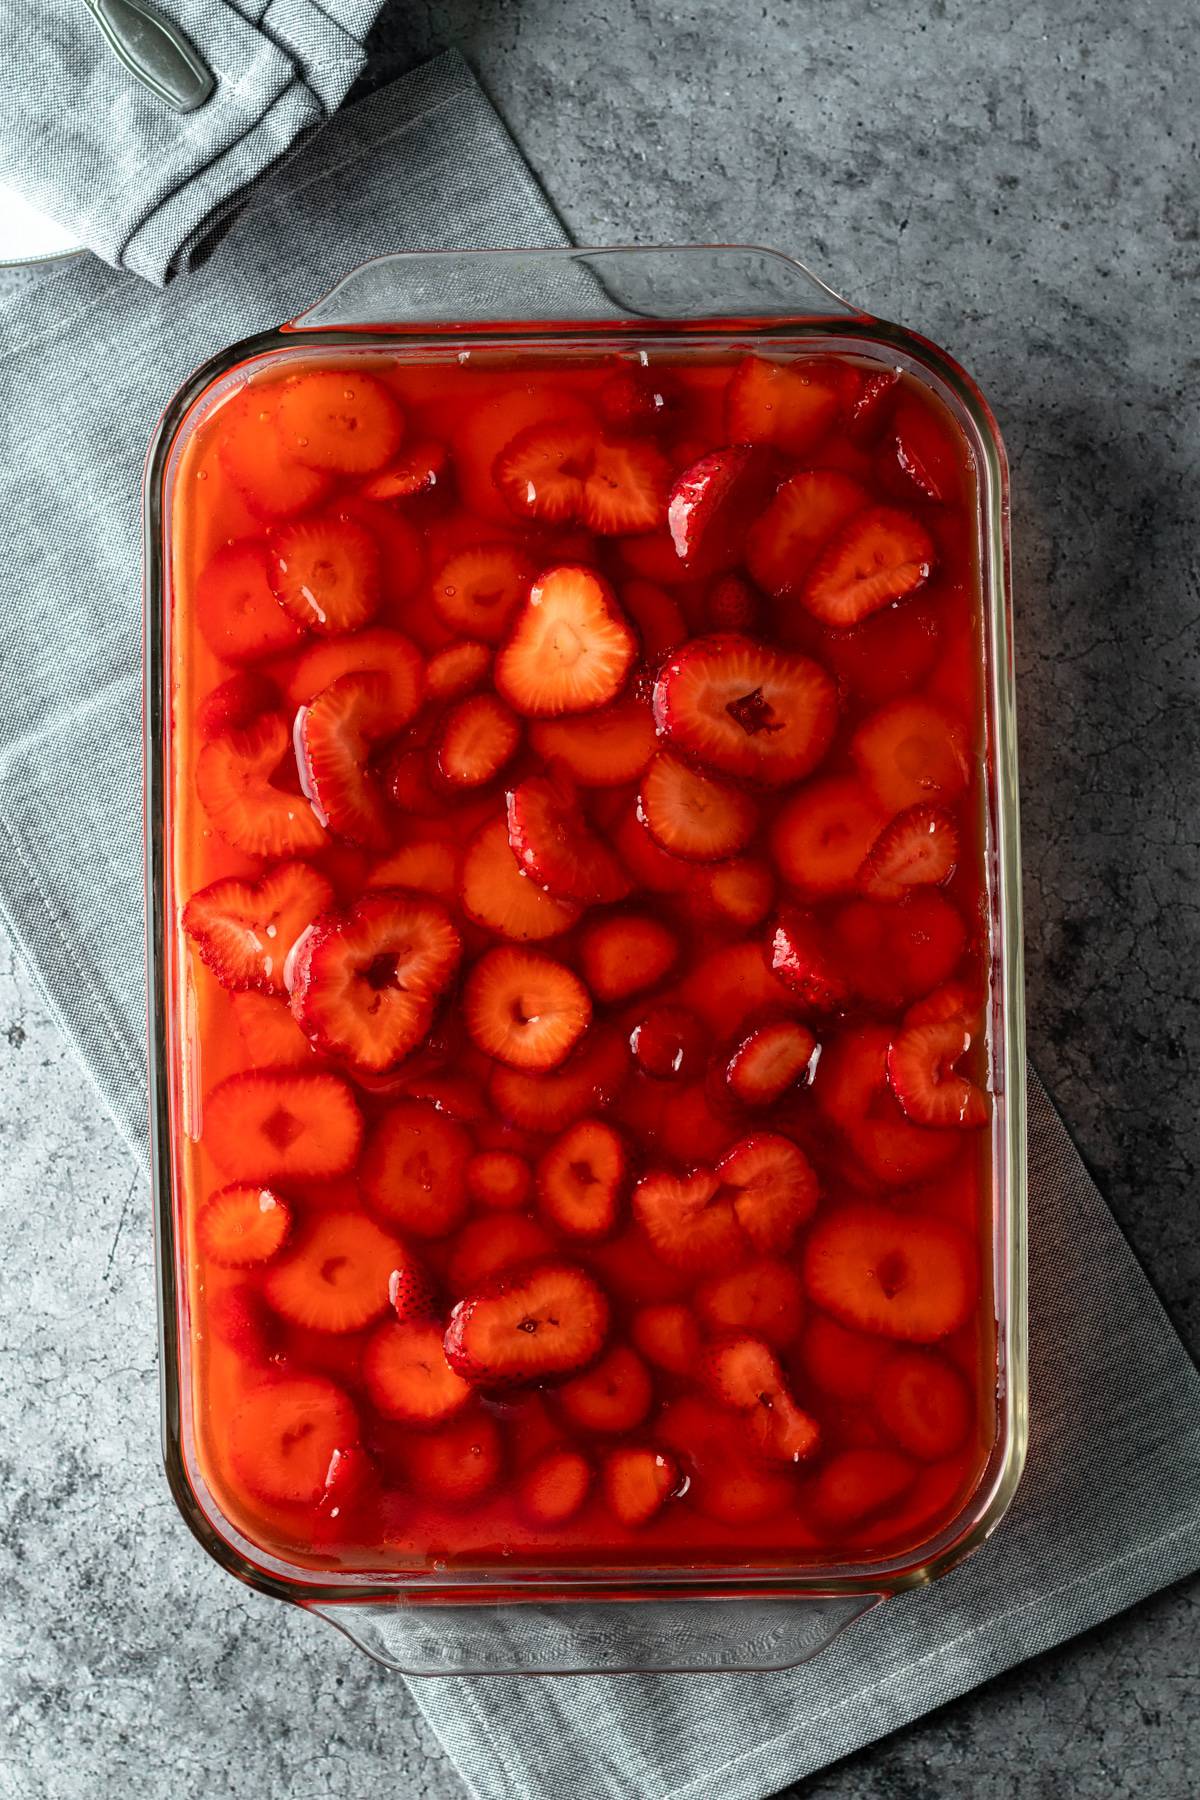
(587,1065)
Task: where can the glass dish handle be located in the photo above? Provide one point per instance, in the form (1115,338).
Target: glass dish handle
(660,1636)
(723,285)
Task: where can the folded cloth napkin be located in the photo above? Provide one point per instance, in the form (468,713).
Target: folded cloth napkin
(88,355)
(135,181)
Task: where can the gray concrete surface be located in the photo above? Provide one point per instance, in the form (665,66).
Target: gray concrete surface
(1020,183)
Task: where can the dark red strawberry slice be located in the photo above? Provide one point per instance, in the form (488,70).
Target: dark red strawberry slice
(821,835)
(879,557)
(529,1325)
(413,1171)
(419,469)
(497,893)
(842,1363)
(764,1298)
(326,573)
(479,590)
(744,1373)
(904,1275)
(413,1293)
(244,930)
(581,1180)
(924,1403)
(554,845)
(713,503)
(570,647)
(649,866)
(615,1394)
(745,709)
(896,950)
(769,1061)
(854,1485)
(236,777)
(488,1247)
(455,1464)
(689,1220)
(638,1481)
(477,736)
(918,849)
(852,1088)
(625,954)
(806,514)
(772,1188)
(376,650)
(805,959)
(525,1009)
(889,652)
(554,1488)
(872,405)
(656,615)
(912,751)
(669,1044)
(589,1079)
(365,984)
(737,892)
(601,749)
(791,405)
(922,1070)
(956,1000)
(242,1224)
(342,420)
(250,450)
(733,985)
(335,739)
(637,398)
(731,604)
(336,1274)
(284,1434)
(236,703)
(461,668)
(499,1179)
(235,605)
(926,449)
(668,1336)
(692,815)
(408,1378)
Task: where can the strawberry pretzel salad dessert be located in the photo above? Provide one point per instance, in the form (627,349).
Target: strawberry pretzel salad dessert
(579,991)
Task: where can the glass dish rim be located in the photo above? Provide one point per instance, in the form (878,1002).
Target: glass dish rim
(957,1540)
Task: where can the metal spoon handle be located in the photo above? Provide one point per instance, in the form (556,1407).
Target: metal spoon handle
(154,49)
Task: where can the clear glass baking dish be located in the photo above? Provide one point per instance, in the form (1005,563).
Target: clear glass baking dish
(541,1619)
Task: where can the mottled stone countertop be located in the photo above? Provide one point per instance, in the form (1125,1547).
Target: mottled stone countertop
(1018,182)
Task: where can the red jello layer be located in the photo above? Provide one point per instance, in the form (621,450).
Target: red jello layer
(580,1081)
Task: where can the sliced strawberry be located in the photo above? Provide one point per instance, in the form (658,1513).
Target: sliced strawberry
(554,845)
(413,1169)
(856,1484)
(903,1275)
(499,1179)
(637,398)
(625,954)
(251,452)
(898,949)
(477,736)
(554,1489)
(459,669)
(236,703)
(236,608)
(668,1336)
(879,557)
(912,751)
(408,1378)
(738,892)
(528,1325)
(745,709)
(365,984)
(918,849)
(457,1463)
(485,1248)
(570,647)
(669,1044)
(497,893)
(326,573)
(408,776)
(659,622)
(581,1178)
(525,1009)
(924,1403)
(339,419)
(764,1298)
(806,514)
(265,1126)
(692,1129)
(542,472)
(853,1090)
(732,985)
(772,1187)
(268,1031)
(626,490)
(285,1433)
(648,865)
(601,749)
(927,449)
(243,1224)
(430,865)
(335,739)
(588,1080)
(844,1364)
(821,835)
(769,1061)
(803,957)
(889,652)
(872,405)
(376,651)
(240,1319)
(689,1220)
(731,604)
(714,501)
(413,1293)
(336,1275)
(244,930)
(691,815)
(638,1482)
(921,1068)
(479,590)
(791,405)
(956,1000)
(235,779)
(419,469)
(743,1373)
(615,1394)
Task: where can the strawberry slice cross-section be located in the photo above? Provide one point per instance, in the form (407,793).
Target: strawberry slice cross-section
(524,1009)
(745,709)
(528,1325)
(244,930)
(564,474)
(569,649)
(237,779)
(554,845)
(335,739)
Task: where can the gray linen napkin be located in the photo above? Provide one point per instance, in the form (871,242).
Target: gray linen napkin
(88,355)
(138,183)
